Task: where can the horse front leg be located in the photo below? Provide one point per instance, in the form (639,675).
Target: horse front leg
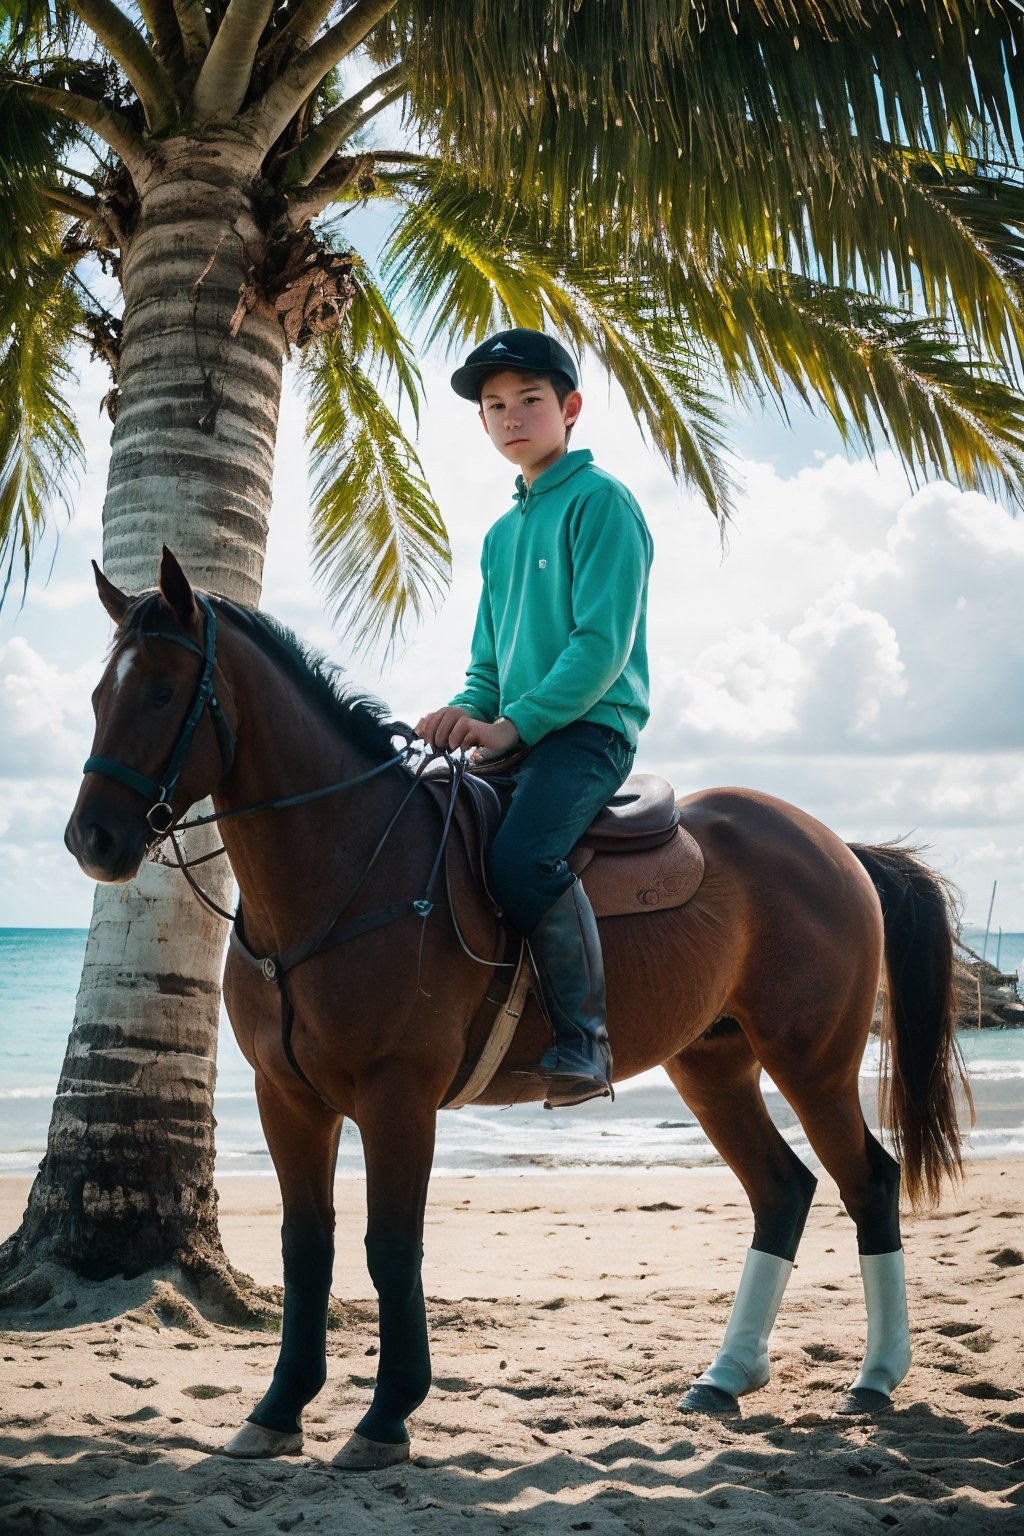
(396,1119)
(302,1135)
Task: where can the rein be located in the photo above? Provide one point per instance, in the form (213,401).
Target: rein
(180,825)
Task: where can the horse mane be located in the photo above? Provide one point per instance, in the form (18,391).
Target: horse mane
(363,719)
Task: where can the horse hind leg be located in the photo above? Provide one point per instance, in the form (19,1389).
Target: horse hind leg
(718,1076)
(869,1187)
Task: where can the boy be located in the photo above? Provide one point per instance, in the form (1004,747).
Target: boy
(559,663)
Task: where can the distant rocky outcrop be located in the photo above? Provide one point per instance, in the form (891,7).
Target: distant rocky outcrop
(989,999)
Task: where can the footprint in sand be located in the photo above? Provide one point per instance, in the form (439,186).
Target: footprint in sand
(825,1352)
(971,1335)
(1007,1258)
(987,1391)
(205,1389)
(611,1420)
(978,1343)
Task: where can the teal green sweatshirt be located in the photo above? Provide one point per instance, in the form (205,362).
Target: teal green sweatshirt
(561,632)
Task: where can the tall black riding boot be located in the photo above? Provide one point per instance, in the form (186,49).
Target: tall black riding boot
(566,953)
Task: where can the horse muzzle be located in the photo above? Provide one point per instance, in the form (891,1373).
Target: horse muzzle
(109,854)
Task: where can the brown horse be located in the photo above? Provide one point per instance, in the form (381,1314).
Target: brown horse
(774,963)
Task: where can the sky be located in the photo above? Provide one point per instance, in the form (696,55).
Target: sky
(857,648)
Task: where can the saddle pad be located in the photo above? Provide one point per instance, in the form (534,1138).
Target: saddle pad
(651,880)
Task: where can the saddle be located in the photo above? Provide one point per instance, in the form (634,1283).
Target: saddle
(635,857)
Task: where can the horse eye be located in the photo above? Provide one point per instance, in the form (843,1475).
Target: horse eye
(163,696)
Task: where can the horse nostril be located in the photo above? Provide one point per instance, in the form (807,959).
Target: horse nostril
(91,843)
(97,842)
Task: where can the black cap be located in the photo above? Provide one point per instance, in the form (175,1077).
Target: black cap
(526,351)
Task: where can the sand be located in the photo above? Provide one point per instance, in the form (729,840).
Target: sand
(569,1313)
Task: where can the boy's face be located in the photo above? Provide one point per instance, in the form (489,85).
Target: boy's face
(523,419)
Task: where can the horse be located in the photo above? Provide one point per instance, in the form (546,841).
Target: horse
(775,962)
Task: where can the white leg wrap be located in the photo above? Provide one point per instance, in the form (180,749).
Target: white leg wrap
(741,1364)
(887,1357)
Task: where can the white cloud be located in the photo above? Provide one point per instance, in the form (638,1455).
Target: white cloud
(909,643)
(44,713)
(743,687)
(949,581)
(61,596)
(852,665)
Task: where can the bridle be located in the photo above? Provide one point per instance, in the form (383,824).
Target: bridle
(160,793)
(164,824)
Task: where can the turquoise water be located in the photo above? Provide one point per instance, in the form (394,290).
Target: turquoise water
(648,1126)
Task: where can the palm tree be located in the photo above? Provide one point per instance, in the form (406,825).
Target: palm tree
(766,198)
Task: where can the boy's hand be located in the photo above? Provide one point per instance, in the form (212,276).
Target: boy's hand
(453,728)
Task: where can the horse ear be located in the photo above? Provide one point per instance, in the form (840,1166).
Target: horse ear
(113,599)
(176,590)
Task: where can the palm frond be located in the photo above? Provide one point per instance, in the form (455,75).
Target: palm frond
(725,126)
(732,85)
(664,327)
(655,364)
(378,540)
(465,263)
(31,29)
(986,203)
(956,249)
(882,374)
(32,142)
(40,448)
(376,340)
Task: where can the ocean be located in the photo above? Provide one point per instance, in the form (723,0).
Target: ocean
(648,1126)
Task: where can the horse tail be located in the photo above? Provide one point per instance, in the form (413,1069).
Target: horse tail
(921,1065)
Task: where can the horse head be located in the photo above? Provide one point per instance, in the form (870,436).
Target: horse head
(162,739)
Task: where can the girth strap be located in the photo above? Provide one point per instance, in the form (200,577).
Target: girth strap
(471,1079)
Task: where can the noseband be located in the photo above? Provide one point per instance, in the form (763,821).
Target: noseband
(160,793)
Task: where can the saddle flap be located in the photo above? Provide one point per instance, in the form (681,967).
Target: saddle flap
(477,798)
(477,818)
(636,879)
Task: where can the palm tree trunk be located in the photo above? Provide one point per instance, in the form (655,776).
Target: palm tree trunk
(127,1180)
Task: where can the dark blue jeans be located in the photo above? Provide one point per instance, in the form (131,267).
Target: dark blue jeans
(557,791)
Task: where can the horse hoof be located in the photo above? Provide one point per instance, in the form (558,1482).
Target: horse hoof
(254,1443)
(703,1398)
(362,1455)
(864,1400)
